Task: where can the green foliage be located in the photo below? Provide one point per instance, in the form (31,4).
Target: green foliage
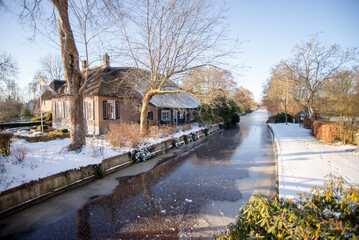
(98,171)
(46,118)
(142,154)
(194,137)
(221,108)
(38,128)
(185,139)
(26,112)
(5,141)
(330,211)
(205,131)
(280,118)
(175,143)
(64,130)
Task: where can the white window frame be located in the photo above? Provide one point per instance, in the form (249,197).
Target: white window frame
(113,116)
(88,108)
(181,116)
(59,113)
(166,115)
(66,109)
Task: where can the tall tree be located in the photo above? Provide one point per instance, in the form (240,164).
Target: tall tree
(8,73)
(312,65)
(341,100)
(168,38)
(66,13)
(206,83)
(244,99)
(51,67)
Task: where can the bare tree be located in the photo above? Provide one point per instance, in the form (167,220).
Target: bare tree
(45,17)
(341,101)
(312,65)
(51,67)
(206,83)
(244,99)
(168,38)
(8,70)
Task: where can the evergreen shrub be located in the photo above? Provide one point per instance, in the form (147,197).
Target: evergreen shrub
(330,211)
(5,141)
(280,118)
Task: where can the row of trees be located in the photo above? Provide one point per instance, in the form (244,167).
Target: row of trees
(319,79)
(219,94)
(167,38)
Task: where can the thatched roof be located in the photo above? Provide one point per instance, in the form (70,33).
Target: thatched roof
(55,85)
(130,82)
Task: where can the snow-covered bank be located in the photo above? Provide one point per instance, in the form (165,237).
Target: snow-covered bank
(303,161)
(32,161)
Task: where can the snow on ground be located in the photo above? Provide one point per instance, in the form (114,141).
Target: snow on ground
(42,159)
(303,160)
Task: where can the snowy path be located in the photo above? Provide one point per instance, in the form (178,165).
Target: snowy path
(303,161)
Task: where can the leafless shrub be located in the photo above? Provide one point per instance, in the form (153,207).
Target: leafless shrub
(123,134)
(97,152)
(161,131)
(20,153)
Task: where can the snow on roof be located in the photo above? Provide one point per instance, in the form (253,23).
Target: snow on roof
(175,100)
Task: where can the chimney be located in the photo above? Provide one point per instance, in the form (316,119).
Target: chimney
(84,65)
(106,60)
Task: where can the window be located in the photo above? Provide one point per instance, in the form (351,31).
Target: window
(181,114)
(150,115)
(88,110)
(191,115)
(66,110)
(111,109)
(139,108)
(166,115)
(59,109)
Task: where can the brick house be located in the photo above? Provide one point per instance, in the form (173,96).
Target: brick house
(112,95)
(46,97)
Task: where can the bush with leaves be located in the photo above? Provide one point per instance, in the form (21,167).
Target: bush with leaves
(330,211)
(142,154)
(221,108)
(280,118)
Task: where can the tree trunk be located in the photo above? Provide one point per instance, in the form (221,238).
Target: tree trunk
(73,75)
(286,116)
(144,112)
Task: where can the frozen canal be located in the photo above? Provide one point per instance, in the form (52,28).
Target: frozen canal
(192,195)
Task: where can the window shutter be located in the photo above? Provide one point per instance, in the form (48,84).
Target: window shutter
(104,110)
(117,110)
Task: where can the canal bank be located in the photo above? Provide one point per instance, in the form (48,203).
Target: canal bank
(187,196)
(33,192)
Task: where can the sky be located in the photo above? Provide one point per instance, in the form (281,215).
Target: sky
(269,29)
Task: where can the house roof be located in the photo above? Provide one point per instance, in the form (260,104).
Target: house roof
(55,84)
(302,114)
(175,100)
(130,82)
